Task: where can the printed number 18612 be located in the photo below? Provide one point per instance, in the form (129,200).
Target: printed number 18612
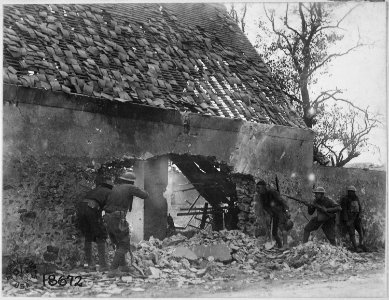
(62,280)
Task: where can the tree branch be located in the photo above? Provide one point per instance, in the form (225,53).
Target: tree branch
(328,95)
(333,56)
(286,22)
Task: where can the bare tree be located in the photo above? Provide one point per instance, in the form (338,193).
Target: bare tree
(305,43)
(239,17)
(341,133)
(296,46)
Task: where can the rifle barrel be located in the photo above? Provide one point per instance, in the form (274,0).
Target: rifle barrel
(305,203)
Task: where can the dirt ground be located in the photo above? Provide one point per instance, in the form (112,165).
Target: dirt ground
(370,285)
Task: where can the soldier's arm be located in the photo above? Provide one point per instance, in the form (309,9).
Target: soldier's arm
(344,209)
(137,192)
(278,199)
(334,206)
(311,209)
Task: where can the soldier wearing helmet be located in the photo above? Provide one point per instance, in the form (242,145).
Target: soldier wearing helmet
(90,221)
(277,208)
(118,204)
(326,213)
(352,217)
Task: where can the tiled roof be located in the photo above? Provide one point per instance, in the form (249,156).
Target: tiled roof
(189,57)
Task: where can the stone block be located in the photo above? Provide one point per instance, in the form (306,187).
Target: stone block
(184,252)
(220,252)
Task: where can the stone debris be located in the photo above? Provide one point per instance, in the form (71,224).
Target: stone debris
(219,252)
(183,252)
(208,258)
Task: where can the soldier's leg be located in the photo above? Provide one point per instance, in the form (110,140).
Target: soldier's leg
(275,231)
(312,225)
(101,253)
(359,229)
(329,230)
(102,237)
(88,251)
(351,232)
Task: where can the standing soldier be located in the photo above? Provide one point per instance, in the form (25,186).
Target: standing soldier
(118,204)
(352,216)
(90,220)
(326,216)
(277,208)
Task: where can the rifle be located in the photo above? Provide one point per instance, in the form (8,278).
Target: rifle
(277,185)
(318,207)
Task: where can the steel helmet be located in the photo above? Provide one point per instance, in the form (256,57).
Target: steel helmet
(352,188)
(128,176)
(261,182)
(319,189)
(103,179)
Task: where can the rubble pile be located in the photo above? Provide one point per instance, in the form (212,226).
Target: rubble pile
(323,257)
(213,258)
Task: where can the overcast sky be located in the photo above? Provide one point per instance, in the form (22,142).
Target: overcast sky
(362,73)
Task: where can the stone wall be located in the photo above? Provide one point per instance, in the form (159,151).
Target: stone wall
(371,190)
(38,206)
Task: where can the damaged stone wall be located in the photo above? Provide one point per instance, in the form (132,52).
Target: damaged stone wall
(39,198)
(74,130)
(371,190)
(38,206)
(260,226)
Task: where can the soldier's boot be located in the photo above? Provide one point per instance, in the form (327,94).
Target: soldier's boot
(354,242)
(306,236)
(101,253)
(114,271)
(123,263)
(278,241)
(88,254)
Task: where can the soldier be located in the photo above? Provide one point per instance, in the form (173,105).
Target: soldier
(118,204)
(352,217)
(89,211)
(278,210)
(326,216)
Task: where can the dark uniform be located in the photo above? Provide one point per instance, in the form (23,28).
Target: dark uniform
(118,204)
(278,210)
(327,220)
(90,220)
(352,216)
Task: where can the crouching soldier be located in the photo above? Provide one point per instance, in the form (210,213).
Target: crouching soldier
(352,217)
(277,208)
(118,204)
(326,216)
(90,221)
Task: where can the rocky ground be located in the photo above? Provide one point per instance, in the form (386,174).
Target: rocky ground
(227,263)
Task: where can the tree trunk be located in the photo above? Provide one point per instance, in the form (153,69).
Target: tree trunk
(306,102)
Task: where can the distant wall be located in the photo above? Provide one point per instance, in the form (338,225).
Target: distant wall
(371,190)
